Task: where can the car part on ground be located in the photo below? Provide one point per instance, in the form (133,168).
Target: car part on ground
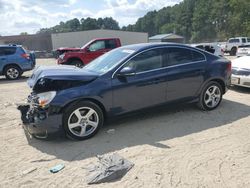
(111,167)
(127,79)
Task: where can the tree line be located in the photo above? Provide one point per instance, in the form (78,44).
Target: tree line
(196,20)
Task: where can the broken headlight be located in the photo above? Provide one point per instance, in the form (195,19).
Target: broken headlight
(45,98)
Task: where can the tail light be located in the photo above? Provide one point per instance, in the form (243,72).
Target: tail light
(229,67)
(26,56)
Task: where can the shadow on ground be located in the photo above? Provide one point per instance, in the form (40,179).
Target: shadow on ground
(149,127)
(240,89)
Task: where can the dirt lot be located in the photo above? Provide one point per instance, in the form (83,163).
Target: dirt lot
(170,147)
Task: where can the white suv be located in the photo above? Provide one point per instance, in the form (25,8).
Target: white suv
(233,43)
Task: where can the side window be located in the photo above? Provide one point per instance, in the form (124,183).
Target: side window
(237,40)
(98,45)
(146,61)
(110,44)
(9,50)
(197,56)
(243,40)
(1,52)
(248,39)
(231,41)
(178,56)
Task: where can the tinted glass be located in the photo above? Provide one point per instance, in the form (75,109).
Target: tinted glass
(146,61)
(98,45)
(248,39)
(1,52)
(244,40)
(110,44)
(9,50)
(177,56)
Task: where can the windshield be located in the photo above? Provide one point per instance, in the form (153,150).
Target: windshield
(108,61)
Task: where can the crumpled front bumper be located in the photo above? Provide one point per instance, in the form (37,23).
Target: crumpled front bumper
(39,122)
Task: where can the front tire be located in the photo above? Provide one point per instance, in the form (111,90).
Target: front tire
(12,72)
(82,120)
(211,96)
(76,63)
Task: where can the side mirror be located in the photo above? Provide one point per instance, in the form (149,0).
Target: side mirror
(126,71)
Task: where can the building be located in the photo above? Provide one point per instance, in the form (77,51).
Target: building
(171,37)
(79,38)
(37,42)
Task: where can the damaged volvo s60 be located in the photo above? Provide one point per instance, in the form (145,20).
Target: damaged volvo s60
(77,101)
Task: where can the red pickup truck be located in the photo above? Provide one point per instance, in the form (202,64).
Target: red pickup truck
(82,56)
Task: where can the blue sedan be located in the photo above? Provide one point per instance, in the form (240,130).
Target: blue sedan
(123,80)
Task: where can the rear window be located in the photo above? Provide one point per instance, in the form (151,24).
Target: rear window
(110,44)
(7,50)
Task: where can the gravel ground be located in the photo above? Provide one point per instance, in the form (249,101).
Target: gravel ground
(170,147)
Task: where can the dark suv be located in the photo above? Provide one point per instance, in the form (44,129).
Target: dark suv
(14,60)
(125,79)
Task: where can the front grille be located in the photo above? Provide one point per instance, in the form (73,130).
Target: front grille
(241,72)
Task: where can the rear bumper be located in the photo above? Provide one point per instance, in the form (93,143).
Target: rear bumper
(39,123)
(238,80)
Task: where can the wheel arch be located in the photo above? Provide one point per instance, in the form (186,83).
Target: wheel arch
(216,79)
(95,101)
(73,59)
(12,64)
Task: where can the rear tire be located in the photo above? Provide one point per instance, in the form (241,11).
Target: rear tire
(82,120)
(12,72)
(211,96)
(233,51)
(76,63)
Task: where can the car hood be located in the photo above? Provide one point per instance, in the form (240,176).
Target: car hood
(45,78)
(241,62)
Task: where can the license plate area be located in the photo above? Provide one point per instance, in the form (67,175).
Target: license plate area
(235,80)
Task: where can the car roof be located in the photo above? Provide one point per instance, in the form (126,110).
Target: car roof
(10,45)
(144,46)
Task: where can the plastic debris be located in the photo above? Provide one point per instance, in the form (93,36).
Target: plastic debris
(28,171)
(110,168)
(57,168)
(111,131)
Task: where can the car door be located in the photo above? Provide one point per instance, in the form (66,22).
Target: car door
(96,49)
(147,87)
(185,72)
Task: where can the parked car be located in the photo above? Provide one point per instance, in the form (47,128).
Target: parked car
(125,79)
(233,43)
(241,71)
(14,60)
(90,51)
(210,47)
(243,50)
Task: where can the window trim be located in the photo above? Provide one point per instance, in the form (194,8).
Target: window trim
(161,47)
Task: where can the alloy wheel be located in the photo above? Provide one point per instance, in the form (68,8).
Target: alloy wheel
(212,96)
(83,121)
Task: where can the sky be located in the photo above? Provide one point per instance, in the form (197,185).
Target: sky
(29,16)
